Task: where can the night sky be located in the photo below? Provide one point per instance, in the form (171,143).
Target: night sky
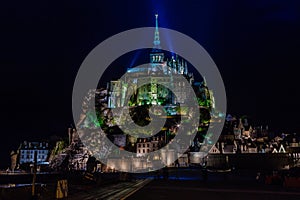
(255,45)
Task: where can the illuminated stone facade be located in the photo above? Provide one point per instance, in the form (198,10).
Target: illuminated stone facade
(157,82)
(28,149)
(145,145)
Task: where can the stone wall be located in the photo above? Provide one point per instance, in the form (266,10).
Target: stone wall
(249,161)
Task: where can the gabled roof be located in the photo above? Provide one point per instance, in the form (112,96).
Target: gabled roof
(274,150)
(214,149)
(281,149)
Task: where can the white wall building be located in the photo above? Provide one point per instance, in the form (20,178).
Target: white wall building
(145,146)
(28,149)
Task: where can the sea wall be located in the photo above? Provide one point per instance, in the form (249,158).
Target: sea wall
(258,161)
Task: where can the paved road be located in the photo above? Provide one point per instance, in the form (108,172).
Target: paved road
(158,189)
(184,183)
(109,192)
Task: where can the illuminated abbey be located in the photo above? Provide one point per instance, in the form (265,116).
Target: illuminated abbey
(147,83)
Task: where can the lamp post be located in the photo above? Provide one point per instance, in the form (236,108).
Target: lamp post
(34,175)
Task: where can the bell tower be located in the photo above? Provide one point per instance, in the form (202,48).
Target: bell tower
(156,55)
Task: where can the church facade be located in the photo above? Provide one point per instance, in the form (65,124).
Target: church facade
(158,82)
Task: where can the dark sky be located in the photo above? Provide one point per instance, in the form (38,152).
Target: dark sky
(255,45)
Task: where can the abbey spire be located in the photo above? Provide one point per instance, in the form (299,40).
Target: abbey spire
(156,55)
(156,41)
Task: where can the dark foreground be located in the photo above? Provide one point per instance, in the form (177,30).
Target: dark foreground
(183,189)
(175,183)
